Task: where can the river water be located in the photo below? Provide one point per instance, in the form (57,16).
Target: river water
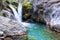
(37,31)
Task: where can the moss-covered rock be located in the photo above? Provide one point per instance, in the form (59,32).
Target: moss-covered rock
(26,16)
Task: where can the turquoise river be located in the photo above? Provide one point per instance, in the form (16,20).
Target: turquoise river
(37,31)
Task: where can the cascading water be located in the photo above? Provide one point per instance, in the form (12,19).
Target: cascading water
(20,12)
(18,15)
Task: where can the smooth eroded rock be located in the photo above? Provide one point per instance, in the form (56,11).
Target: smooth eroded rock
(52,14)
(11,27)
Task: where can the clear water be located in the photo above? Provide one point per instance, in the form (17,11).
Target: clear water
(40,32)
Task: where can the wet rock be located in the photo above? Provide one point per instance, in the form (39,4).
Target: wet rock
(11,27)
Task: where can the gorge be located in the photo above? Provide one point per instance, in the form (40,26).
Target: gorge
(40,18)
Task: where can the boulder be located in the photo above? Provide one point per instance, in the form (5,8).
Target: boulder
(11,27)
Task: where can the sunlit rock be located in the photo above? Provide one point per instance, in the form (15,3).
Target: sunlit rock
(52,14)
(11,27)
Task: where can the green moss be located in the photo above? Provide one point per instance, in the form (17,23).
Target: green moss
(27,15)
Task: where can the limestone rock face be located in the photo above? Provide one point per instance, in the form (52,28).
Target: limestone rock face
(11,27)
(52,14)
(37,14)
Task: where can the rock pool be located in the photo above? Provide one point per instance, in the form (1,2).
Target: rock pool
(38,31)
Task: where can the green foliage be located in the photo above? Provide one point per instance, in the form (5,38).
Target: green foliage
(28,5)
(15,6)
(25,1)
(11,0)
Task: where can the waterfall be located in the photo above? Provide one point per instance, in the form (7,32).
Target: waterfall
(18,15)
(20,12)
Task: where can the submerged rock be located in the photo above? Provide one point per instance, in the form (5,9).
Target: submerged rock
(11,27)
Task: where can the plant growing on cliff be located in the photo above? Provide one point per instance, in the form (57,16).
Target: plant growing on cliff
(28,5)
(11,0)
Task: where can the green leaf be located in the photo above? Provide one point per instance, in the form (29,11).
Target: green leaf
(11,0)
